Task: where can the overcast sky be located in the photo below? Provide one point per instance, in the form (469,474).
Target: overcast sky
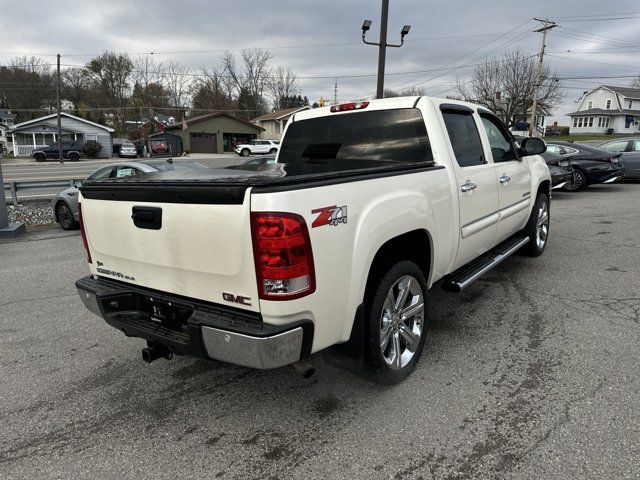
(322,38)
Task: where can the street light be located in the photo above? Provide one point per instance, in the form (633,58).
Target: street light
(382,44)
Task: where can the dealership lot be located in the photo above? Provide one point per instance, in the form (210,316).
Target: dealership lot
(530,373)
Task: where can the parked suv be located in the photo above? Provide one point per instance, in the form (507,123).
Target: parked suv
(71,150)
(258,146)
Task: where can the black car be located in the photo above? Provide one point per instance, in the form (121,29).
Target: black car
(560,169)
(71,150)
(590,165)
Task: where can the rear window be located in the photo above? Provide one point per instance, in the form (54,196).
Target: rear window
(357,140)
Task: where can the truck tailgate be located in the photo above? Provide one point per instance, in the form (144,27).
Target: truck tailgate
(202,251)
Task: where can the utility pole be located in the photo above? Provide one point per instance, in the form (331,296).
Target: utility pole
(547,25)
(382,44)
(60,157)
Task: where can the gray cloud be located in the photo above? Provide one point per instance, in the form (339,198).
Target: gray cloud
(75,27)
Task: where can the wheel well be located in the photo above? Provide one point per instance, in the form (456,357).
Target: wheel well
(414,246)
(544,187)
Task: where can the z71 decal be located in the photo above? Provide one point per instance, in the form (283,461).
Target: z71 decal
(330,216)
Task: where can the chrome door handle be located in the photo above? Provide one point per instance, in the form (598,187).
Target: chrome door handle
(468,187)
(504,178)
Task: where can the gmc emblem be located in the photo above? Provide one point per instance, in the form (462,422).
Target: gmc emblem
(230,297)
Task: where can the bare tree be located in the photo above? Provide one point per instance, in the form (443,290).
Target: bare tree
(31,64)
(249,80)
(210,92)
(283,83)
(405,92)
(178,80)
(506,86)
(112,72)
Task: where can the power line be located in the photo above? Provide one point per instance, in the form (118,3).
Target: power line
(231,49)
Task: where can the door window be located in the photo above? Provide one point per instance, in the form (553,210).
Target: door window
(619,146)
(501,147)
(636,146)
(464,137)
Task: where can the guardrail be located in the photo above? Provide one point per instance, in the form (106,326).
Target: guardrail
(14,187)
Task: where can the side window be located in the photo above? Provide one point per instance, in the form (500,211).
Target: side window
(615,147)
(464,137)
(636,146)
(554,149)
(499,140)
(101,174)
(123,171)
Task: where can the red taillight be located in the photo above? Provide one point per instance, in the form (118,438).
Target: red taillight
(83,234)
(345,107)
(282,254)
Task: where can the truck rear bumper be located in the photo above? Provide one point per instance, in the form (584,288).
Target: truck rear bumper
(190,327)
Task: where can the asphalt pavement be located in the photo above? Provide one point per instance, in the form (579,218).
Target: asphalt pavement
(531,373)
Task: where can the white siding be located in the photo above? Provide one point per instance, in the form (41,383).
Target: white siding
(599,98)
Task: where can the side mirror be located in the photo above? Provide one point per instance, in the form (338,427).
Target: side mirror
(78,184)
(533,146)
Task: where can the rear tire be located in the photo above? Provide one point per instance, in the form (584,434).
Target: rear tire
(395,327)
(578,181)
(273,151)
(74,157)
(245,152)
(537,228)
(40,157)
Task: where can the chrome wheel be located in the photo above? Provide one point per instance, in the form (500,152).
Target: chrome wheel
(542,227)
(402,322)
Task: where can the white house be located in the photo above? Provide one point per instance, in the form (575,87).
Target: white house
(43,131)
(273,123)
(6,124)
(607,109)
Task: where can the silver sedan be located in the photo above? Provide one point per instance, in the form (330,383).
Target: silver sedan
(65,204)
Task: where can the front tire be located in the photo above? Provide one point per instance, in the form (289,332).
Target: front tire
(65,217)
(40,157)
(395,323)
(537,228)
(273,151)
(245,152)
(74,157)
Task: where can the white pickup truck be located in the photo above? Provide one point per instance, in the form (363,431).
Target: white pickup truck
(368,205)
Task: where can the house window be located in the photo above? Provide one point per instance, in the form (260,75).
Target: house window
(90,136)
(590,105)
(605,122)
(599,122)
(630,104)
(278,127)
(609,104)
(591,121)
(580,122)
(575,122)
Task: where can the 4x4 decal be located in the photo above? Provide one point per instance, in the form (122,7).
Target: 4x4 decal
(330,216)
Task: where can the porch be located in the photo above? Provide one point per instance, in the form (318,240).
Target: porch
(26,141)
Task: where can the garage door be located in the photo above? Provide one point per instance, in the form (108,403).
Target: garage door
(203,143)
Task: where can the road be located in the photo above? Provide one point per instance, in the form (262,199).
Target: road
(34,172)
(531,373)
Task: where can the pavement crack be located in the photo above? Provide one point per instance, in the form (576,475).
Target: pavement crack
(35,299)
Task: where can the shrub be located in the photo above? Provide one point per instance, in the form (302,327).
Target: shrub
(91,149)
